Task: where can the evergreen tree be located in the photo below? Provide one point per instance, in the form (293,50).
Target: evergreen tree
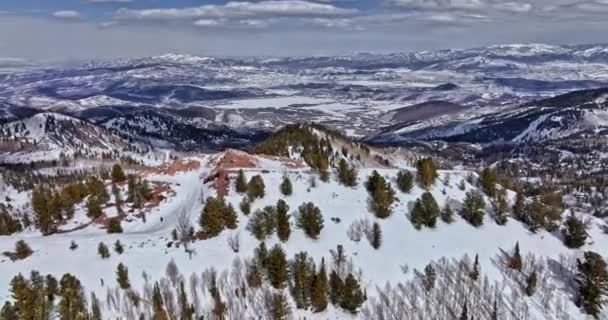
(245,206)
(93,208)
(73,245)
(487,179)
(447,214)
(310,219)
(283,227)
(131,187)
(158,307)
(286,187)
(536,216)
(241,182)
(475,272)
(122,276)
(255,187)
(279,306)
(277,267)
(336,288)
(376,236)
(261,255)
(117,198)
(473,208)
(381,195)
(347,175)
(427,172)
(72,304)
(519,207)
(425,211)
(118,247)
(531,282)
(574,232)
(515,261)
(22,250)
(592,280)
(114,226)
(302,272)
(118,175)
(97,189)
(319,289)
(430,277)
(230,218)
(263,222)
(500,206)
(103,251)
(405,181)
(352,297)
(9,312)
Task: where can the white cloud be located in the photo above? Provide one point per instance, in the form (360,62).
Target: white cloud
(206,23)
(269,8)
(514,6)
(67,14)
(439,4)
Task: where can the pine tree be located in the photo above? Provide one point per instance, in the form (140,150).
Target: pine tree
(319,289)
(117,198)
(245,206)
(473,208)
(118,175)
(336,288)
(487,179)
(93,208)
(500,206)
(427,172)
(122,276)
(158,307)
(286,187)
(114,226)
(574,232)
(279,306)
(44,216)
(212,217)
(72,304)
(536,216)
(352,297)
(405,181)
(430,277)
(131,187)
(531,282)
(97,189)
(381,195)
(310,219)
(277,267)
(283,227)
(447,214)
(103,251)
(515,261)
(425,211)
(263,222)
(302,272)
(347,175)
(118,247)
(230,218)
(376,237)
(519,206)
(9,312)
(261,255)
(592,280)
(22,250)
(255,187)
(475,272)
(73,245)
(241,182)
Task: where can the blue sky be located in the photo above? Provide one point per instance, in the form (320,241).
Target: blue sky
(86,29)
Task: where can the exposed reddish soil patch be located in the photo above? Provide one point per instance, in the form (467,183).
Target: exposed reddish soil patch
(159,189)
(230,160)
(179,165)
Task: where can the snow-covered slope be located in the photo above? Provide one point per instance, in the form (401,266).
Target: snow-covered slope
(190,180)
(50,136)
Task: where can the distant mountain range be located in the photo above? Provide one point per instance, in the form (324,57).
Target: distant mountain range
(509,93)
